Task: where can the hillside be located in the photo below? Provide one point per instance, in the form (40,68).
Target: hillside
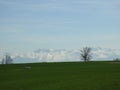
(61,76)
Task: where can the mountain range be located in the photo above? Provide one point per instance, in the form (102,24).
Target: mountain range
(63,55)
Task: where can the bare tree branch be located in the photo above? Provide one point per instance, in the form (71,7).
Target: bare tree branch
(85,54)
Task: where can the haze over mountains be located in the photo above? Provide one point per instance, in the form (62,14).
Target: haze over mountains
(63,55)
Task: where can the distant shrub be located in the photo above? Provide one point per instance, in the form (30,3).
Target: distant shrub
(27,67)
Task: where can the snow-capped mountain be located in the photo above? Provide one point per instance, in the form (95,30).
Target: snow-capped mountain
(105,53)
(63,55)
(49,55)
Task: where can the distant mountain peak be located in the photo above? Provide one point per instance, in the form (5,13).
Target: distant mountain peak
(61,55)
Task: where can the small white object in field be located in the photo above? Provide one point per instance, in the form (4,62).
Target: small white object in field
(27,67)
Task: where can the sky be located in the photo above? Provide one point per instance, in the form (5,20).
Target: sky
(26,25)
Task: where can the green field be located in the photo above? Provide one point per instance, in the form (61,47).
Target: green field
(61,76)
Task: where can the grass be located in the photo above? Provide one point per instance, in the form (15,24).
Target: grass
(61,76)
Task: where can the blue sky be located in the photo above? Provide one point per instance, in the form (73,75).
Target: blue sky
(26,25)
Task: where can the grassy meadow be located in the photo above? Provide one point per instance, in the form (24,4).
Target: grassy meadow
(61,76)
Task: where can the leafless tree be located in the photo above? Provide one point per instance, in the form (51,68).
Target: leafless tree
(3,61)
(85,54)
(8,59)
